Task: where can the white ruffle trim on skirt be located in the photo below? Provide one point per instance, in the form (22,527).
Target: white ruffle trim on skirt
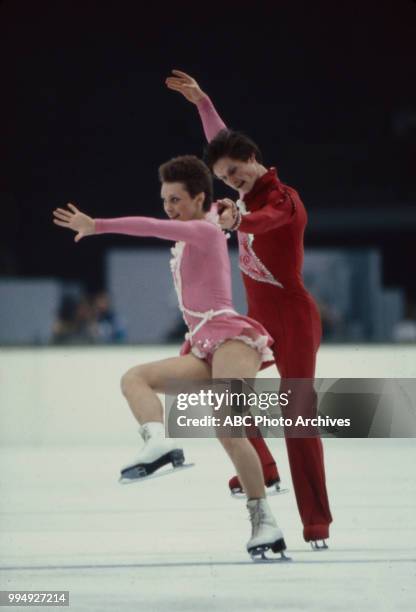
(260,344)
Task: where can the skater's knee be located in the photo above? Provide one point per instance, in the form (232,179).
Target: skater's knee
(125,383)
(131,380)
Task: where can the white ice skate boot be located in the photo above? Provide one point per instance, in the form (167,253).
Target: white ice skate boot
(265,534)
(156,452)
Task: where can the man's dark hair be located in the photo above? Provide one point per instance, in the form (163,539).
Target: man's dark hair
(234,145)
(193,173)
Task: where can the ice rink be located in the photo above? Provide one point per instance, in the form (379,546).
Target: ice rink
(178,543)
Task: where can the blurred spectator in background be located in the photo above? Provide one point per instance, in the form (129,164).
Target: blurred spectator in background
(74,324)
(331,320)
(108,327)
(405,330)
(87,320)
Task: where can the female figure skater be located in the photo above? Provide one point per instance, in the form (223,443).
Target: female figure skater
(271,219)
(220,343)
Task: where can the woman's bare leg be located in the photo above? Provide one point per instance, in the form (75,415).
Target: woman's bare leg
(141,383)
(235,359)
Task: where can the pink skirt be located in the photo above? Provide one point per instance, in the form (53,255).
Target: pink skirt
(219,329)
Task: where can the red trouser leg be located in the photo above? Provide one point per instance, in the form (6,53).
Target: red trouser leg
(308,475)
(295,358)
(270,470)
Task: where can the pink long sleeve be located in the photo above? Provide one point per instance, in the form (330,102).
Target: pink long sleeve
(211,121)
(194,232)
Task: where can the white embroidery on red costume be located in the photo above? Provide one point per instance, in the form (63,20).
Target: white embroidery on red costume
(250,264)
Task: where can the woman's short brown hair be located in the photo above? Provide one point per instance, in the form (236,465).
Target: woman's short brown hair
(193,173)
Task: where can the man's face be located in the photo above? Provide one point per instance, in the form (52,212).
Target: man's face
(237,174)
(178,204)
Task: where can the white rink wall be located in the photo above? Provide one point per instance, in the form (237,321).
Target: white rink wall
(71,396)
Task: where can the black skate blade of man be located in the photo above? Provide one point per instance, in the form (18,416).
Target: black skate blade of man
(319,545)
(141,471)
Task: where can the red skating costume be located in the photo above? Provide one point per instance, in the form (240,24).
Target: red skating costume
(271,258)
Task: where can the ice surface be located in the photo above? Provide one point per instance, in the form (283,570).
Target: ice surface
(178,543)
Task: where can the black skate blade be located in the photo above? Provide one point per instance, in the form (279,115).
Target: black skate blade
(263,559)
(171,470)
(319,545)
(258,553)
(142,470)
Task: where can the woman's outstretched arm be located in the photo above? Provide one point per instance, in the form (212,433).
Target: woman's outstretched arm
(189,88)
(197,232)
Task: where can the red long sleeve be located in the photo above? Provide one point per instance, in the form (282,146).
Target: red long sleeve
(278,211)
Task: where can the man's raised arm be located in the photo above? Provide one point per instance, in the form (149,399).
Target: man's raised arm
(189,88)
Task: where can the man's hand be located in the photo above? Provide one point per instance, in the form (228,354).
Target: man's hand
(75,220)
(186,85)
(227,211)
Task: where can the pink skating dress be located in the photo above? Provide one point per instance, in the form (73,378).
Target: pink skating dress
(201,273)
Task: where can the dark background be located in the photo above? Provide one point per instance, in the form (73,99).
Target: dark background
(326,88)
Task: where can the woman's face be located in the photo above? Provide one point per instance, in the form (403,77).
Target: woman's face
(237,174)
(179,205)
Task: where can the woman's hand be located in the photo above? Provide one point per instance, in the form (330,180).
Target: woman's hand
(227,211)
(75,220)
(186,85)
